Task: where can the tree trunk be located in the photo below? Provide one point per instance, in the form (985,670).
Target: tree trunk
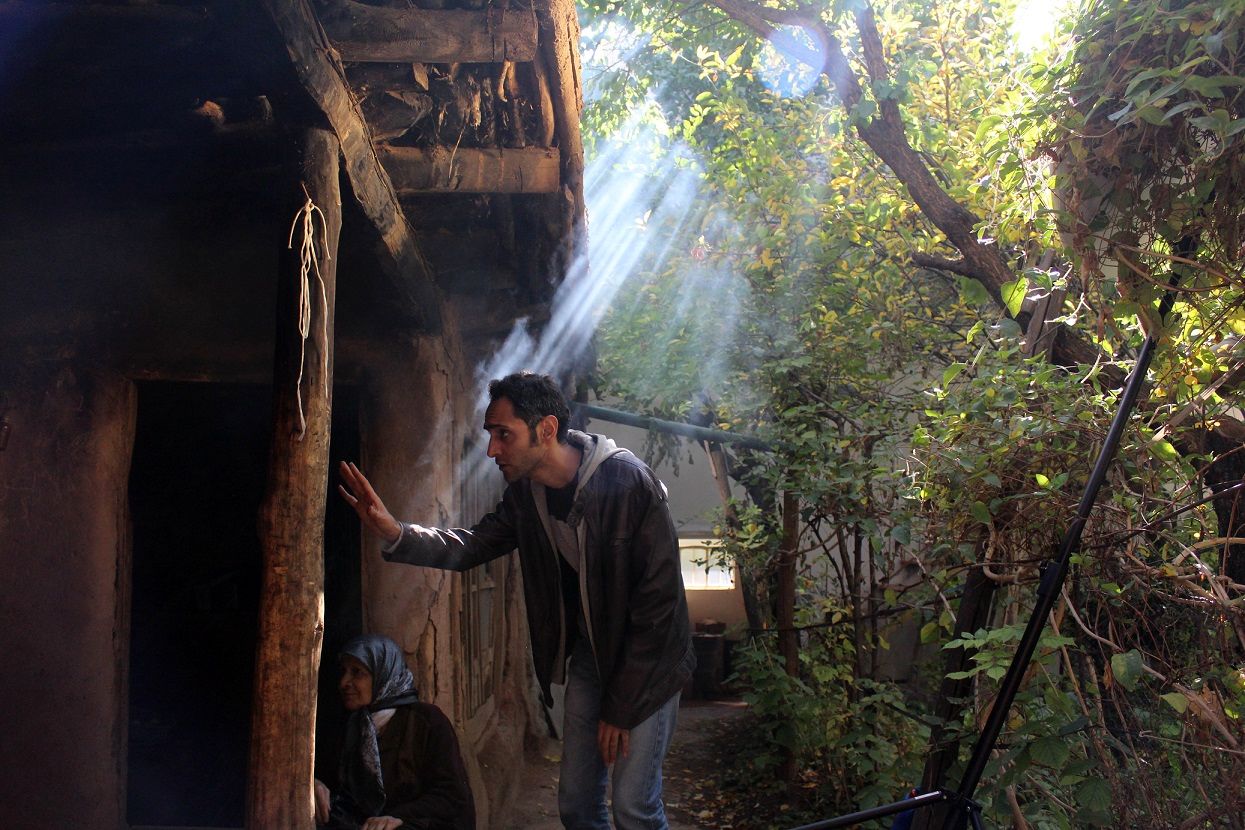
(1223,476)
(291,518)
(944,739)
(788,637)
(860,637)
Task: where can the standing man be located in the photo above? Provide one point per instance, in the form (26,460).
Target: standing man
(601,578)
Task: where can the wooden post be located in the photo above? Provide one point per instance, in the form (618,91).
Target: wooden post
(291,519)
(559,64)
(747,585)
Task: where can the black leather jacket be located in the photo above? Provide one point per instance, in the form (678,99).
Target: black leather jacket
(634,590)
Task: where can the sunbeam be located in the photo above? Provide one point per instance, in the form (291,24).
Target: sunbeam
(644,199)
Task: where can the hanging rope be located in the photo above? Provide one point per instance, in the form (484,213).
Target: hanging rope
(309,263)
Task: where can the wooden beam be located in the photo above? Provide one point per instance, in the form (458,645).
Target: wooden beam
(375,34)
(321,74)
(1041,334)
(472,170)
(291,518)
(560,67)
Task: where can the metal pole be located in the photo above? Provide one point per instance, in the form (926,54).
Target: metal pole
(851,819)
(1053,576)
(966,810)
(719,436)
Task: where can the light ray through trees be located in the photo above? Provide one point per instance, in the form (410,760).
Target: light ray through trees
(644,201)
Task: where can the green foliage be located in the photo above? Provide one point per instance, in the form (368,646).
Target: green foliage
(903,415)
(999,459)
(1144,111)
(857,732)
(992,650)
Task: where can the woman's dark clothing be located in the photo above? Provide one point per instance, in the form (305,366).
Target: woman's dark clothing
(359,773)
(425,782)
(413,769)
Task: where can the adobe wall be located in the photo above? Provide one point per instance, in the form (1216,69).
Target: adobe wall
(415,413)
(64,544)
(63,540)
(185,295)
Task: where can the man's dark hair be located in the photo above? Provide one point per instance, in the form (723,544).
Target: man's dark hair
(533,397)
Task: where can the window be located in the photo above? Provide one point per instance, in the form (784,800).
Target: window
(483,608)
(703,570)
(481,612)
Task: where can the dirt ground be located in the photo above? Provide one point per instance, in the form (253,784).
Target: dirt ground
(688,806)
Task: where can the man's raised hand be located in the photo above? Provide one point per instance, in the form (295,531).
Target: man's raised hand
(358,493)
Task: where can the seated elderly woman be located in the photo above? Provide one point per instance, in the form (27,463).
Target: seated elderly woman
(400,766)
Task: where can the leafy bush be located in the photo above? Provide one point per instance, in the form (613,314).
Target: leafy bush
(855,740)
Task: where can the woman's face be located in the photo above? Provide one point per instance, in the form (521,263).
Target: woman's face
(356,684)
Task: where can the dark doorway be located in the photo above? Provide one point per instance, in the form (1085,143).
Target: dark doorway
(343,600)
(199,468)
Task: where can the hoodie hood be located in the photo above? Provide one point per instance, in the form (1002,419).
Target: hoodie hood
(596,449)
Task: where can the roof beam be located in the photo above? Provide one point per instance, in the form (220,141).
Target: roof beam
(313,59)
(472,170)
(375,34)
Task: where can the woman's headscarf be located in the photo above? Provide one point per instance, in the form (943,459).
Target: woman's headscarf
(392,686)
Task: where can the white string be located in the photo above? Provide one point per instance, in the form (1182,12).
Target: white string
(309,262)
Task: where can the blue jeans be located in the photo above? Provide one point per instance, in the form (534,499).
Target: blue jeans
(637,778)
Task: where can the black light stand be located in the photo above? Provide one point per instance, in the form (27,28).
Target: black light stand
(964,809)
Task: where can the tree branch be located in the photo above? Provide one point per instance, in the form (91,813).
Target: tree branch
(886,137)
(955,266)
(1224,385)
(875,64)
(766,21)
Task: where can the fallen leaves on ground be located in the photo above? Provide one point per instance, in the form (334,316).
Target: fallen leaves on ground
(710,783)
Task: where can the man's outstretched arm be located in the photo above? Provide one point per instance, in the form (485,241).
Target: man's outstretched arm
(456,549)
